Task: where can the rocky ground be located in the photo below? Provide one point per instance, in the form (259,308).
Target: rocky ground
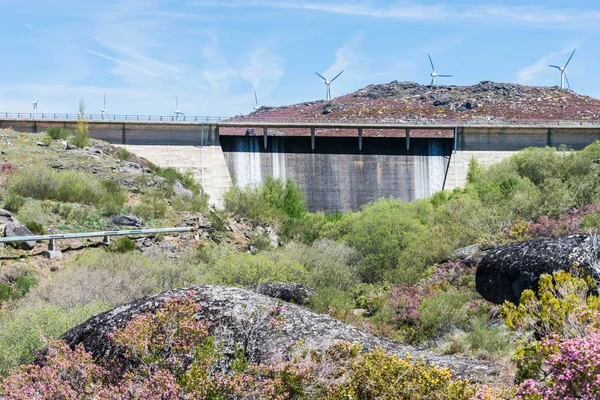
(411,101)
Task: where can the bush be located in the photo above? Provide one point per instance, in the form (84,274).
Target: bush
(172,175)
(123,154)
(80,140)
(443,312)
(25,332)
(151,205)
(36,227)
(56,133)
(274,200)
(46,140)
(198,203)
(376,375)
(14,202)
(112,199)
(122,245)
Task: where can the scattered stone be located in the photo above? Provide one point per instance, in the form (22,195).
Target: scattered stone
(41,144)
(156,181)
(53,268)
(286,291)
(53,255)
(14,229)
(240,320)
(69,146)
(132,168)
(506,271)
(57,166)
(126,220)
(182,191)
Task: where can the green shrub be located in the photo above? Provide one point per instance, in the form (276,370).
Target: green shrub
(5,292)
(273,200)
(46,140)
(112,198)
(172,175)
(230,267)
(13,202)
(23,285)
(80,140)
(198,203)
(443,312)
(260,240)
(123,154)
(331,297)
(36,227)
(56,133)
(25,332)
(122,245)
(151,205)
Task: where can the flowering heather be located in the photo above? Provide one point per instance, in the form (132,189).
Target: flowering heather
(573,370)
(7,168)
(405,301)
(545,226)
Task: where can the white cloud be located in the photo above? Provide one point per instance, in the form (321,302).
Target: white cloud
(532,72)
(568,16)
(264,69)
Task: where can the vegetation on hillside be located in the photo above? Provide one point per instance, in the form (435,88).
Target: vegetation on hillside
(389,269)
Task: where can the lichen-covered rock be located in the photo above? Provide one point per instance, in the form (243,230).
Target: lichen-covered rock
(506,271)
(126,220)
(182,191)
(14,229)
(286,291)
(240,319)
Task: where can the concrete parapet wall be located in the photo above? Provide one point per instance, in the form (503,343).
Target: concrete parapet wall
(336,176)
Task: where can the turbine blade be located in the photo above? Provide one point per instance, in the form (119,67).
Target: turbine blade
(104,101)
(555,66)
(336,77)
(569,60)
(255,98)
(445,76)
(176,103)
(431,62)
(432,80)
(322,77)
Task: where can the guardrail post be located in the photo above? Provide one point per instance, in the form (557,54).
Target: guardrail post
(407,139)
(106,240)
(51,245)
(312,138)
(265,132)
(360,132)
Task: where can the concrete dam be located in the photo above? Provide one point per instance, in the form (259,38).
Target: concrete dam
(335,173)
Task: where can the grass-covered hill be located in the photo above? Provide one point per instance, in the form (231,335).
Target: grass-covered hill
(392,269)
(413,102)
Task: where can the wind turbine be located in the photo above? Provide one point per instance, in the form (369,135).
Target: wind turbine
(328,85)
(435,74)
(256,107)
(103,109)
(35,104)
(563,72)
(177,112)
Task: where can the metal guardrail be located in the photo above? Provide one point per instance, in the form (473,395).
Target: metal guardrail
(105,234)
(418,122)
(110,117)
(184,119)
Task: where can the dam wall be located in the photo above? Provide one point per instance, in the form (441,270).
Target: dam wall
(336,176)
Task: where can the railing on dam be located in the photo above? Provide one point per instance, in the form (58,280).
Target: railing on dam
(111,118)
(413,122)
(340,122)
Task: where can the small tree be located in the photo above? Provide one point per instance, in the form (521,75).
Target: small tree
(81,138)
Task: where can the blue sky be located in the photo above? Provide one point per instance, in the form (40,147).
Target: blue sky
(213,54)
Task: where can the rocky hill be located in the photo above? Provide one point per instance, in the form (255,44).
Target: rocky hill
(411,101)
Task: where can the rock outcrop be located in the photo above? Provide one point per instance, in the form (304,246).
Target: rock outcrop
(15,229)
(506,271)
(126,220)
(240,319)
(286,291)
